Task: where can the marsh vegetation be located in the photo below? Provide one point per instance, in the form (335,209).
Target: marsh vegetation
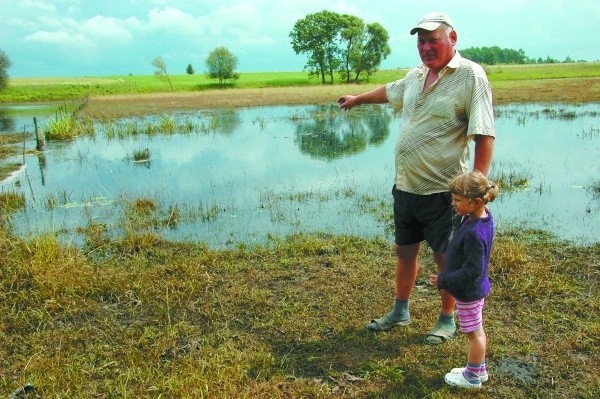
(127,312)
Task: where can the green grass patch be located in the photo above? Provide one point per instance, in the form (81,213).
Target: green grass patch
(60,89)
(136,316)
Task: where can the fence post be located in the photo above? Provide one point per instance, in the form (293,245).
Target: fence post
(40,141)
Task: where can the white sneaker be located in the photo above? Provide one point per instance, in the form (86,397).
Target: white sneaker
(459,380)
(484,377)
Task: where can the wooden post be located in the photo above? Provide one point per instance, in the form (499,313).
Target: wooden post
(40,141)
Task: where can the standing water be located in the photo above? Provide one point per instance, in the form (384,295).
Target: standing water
(226,177)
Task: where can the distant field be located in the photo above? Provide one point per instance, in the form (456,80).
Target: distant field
(67,88)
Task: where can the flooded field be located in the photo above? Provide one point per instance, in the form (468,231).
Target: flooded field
(227,177)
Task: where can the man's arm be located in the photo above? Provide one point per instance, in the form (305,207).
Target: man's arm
(484,149)
(377,96)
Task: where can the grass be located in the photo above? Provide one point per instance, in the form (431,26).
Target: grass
(73,88)
(11,201)
(129,314)
(141,155)
(136,316)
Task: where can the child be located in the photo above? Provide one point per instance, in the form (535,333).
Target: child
(465,274)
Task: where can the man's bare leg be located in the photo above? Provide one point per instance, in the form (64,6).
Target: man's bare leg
(406,274)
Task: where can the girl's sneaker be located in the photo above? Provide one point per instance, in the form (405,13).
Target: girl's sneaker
(484,377)
(459,380)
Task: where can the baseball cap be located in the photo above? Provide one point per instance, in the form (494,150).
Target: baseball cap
(432,21)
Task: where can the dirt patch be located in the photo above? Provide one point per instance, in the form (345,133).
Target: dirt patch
(516,369)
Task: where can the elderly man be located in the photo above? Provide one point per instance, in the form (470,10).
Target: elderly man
(446,102)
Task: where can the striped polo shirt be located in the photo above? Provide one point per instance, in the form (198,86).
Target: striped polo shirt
(437,124)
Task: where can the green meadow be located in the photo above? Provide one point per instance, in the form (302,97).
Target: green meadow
(60,89)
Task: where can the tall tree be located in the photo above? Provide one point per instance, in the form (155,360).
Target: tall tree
(221,64)
(317,36)
(5,64)
(367,53)
(161,70)
(340,43)
(189,70)
(351,35)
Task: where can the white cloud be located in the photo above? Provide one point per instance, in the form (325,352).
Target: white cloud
(37,5)
(173,20)
(109,29)
(85,34)
(60,38)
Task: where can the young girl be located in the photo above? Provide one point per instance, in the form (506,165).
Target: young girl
(465,274)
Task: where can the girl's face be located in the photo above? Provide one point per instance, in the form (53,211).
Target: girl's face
(463,205)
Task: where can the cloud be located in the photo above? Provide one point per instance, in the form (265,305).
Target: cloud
(37,5)
(106,29)
(173,20)
(60,38)
(85,34)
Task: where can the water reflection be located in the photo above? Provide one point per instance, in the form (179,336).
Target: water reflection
(241,176)
(328,134)
(7,122)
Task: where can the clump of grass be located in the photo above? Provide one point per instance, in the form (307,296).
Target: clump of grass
(146,215)
(11,201)
(96,235)
(141,155)
(141,213)
(65,126)
(134,243)
(167,124)
(509,178)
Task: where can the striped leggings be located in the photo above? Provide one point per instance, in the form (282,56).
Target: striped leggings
(470,315)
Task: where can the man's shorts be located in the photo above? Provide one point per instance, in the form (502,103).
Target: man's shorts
(420,218)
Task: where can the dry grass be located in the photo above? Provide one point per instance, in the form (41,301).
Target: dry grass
(580,90)
(140,317)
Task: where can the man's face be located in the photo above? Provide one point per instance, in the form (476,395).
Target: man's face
(436,48)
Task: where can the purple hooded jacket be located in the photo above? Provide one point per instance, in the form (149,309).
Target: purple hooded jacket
(467,260)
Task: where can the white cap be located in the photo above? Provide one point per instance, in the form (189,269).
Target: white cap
(432,21)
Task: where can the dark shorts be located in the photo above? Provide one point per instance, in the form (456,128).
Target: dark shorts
(420,218)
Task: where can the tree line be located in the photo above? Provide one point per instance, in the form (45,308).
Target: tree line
(495,55)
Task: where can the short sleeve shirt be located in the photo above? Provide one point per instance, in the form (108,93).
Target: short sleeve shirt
(437,123)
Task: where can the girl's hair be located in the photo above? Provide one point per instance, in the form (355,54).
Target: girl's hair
(474,185)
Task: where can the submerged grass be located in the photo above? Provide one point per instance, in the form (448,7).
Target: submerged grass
(137,316)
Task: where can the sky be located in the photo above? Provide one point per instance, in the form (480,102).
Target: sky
(60,38)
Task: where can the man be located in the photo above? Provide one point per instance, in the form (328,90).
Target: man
(446,102)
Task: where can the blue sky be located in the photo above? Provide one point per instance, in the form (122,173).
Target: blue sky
(103,38)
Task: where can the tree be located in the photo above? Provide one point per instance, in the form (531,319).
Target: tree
(316,35)
(5,64)
(339,43)
(368,53)
(190,69)
(161,70)
(350,37)
(221,64)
